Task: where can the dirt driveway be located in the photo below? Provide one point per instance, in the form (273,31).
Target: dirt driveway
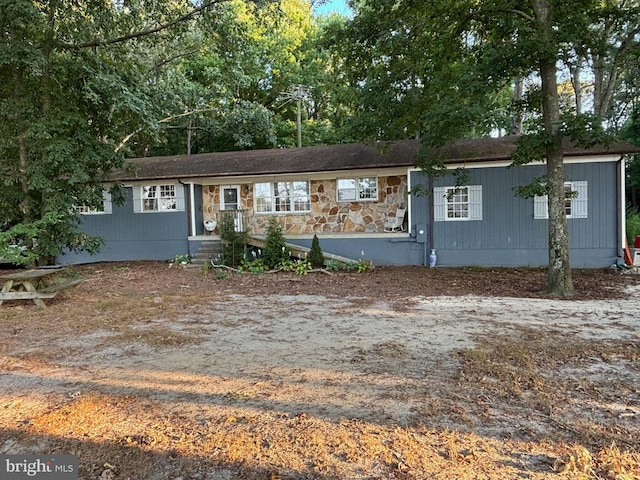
(151,372)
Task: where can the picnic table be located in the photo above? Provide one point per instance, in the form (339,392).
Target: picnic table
(36,284)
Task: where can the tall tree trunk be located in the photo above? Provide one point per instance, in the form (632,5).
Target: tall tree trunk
(576,73)
(559,281)
(518,118)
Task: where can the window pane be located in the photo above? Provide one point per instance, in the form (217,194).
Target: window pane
(300,188)
(263,198)
(346,195)
(302,204)
(346,183)
(264,205)
(568,195)
(167,197)
(457,202)
(149,202)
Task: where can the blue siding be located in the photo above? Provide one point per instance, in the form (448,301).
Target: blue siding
(134,236)
(389,250)
(508,235)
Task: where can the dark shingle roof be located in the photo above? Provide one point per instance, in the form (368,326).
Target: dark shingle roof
(352,156)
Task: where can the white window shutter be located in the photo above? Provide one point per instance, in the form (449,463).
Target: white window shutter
(106,201)
(137,198)
(540,207)
(475,202)
(179,189)
(579,204)
(439,204)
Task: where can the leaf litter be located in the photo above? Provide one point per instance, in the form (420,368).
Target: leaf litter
(147,372)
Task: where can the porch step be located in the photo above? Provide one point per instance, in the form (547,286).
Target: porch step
(209,250)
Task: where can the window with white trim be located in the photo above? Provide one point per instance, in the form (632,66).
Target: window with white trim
(357,189)
(158,198)
(457,203)
(575,203)
(282,197)
(105,207)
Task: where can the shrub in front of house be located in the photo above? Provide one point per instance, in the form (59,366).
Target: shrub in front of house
(633,226)
(234,244)
(316,258)
(273,253)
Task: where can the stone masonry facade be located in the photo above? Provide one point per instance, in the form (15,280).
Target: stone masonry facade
(327,215)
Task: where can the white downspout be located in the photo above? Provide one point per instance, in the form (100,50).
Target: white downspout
(623,206)
(192,201)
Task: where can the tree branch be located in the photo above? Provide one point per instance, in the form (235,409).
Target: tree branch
(142,33)
(164,120)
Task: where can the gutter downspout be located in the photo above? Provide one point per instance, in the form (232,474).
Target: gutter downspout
(192,209)
(622,205)
(431,216)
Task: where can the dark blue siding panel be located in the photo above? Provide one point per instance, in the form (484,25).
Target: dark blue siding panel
(381,251)
(134,236)
(508,235)
(419,203)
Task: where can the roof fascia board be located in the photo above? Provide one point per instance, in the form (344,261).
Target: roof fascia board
(332,174)
(506,163)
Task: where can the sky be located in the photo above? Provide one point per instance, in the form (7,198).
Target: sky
(339,6)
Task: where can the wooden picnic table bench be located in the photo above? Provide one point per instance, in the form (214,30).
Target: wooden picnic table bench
(36,284)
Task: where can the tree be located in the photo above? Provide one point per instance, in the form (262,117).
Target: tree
(273,253)
(440,69)
(75,81)
(316,258)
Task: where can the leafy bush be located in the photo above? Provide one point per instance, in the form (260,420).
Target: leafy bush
(234,243)
(273,253)
(360,267)
(254,266)
(633,225)
(182,259)
(315,258)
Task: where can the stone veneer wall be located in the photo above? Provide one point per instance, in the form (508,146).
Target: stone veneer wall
(327,214)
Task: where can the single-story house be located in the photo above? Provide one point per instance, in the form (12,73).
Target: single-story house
(348,195)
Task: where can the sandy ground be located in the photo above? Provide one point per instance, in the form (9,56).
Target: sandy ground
(275,386)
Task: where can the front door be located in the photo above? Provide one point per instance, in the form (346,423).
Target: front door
(230,200)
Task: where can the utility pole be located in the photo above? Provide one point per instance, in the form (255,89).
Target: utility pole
(298,93)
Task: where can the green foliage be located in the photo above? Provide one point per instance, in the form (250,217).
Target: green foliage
(537,188)
(234,244)
(297,266)
(181,259)
(274,251)
(633,225)
(315,258)
(40,241)
(254,266)
(360,266)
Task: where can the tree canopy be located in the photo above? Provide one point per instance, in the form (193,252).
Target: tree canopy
(85,84)
(444,70)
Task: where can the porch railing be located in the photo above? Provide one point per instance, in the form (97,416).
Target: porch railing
(239,219)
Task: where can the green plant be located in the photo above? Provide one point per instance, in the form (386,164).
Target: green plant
(633,225)
(364,266)
(254,266)
(332,266)
(302,267)
(273,252)
(220,274)
(206,266)
(287,265)
(234,243)
(315,254)
(182,259)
